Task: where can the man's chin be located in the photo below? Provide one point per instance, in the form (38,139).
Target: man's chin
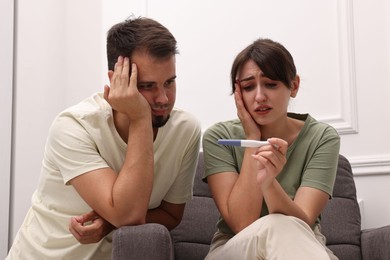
(159,121)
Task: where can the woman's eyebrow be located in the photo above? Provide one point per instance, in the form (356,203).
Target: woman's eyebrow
(245,79)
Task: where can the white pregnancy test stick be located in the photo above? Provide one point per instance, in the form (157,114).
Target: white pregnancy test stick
(242,143)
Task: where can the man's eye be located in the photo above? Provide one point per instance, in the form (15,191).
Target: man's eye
(145,86)
(169,83)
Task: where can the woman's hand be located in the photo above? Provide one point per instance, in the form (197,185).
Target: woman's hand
(92,232)
(251,128)
(270,161)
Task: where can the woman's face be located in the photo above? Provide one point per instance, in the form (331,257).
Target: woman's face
(266,100)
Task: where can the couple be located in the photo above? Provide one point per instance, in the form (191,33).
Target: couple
(114,159)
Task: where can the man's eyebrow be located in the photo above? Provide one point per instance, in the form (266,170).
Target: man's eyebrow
(145,82)
(153,82)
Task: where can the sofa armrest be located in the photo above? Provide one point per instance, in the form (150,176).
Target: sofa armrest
(149,241)
(375,243)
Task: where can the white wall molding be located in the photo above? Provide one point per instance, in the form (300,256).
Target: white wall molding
(370,165)
(346,122)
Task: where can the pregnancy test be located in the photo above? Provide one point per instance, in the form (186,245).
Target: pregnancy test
(242,143)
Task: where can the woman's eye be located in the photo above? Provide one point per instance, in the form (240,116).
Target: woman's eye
(271,85)
(248,87)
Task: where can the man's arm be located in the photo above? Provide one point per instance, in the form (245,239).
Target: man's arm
(167,214)
(122,198)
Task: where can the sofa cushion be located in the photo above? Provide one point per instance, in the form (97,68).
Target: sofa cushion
(195,231)
(196,227)
(373,241)
(201,188)
(341,220)
(193,236)
(149,241)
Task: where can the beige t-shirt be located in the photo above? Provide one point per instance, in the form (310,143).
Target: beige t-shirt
(83,138)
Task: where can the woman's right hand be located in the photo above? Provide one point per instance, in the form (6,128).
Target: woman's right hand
(251,128)
(270,161)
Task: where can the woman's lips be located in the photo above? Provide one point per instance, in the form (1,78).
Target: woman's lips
(263,110)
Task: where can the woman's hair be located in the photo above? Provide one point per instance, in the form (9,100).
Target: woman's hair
(273,59)
(139,34)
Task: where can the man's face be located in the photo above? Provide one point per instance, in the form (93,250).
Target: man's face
(156,82)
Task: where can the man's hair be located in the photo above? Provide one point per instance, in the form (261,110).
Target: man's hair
(139,34)
(272,58)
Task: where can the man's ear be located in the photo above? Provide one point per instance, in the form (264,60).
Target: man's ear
(295,86)
(110,73)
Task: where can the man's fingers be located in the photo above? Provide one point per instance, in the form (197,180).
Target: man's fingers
(119,78)
(85,230)
(89,216)
(134,75)
(124,74)
(118,68)
(73,224)
(106,92)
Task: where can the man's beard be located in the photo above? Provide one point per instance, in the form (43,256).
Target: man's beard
(159,121)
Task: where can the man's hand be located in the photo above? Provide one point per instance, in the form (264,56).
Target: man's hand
(89,227)
(123,94)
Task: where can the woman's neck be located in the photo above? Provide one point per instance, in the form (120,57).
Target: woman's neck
(287,130)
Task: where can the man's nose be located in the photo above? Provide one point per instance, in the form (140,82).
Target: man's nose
(161,95)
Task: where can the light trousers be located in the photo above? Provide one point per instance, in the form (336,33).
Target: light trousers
(272,237)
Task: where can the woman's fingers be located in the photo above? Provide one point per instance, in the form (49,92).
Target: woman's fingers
(279,144)
(273,156)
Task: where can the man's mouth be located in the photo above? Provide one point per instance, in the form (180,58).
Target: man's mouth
(159,112)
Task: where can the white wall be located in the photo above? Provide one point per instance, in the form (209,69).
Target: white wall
(6,78)
(341,49)
(58,61)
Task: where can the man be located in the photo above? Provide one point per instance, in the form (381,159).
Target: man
(127,156)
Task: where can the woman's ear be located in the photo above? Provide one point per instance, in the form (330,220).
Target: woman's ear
(295,86)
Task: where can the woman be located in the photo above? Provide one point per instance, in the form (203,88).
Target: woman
(270,198)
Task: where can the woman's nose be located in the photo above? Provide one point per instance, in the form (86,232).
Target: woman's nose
(260,94)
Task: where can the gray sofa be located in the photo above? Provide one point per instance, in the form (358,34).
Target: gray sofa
(190,240)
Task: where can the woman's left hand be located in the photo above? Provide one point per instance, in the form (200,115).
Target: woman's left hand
(251,128)
(270,161)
